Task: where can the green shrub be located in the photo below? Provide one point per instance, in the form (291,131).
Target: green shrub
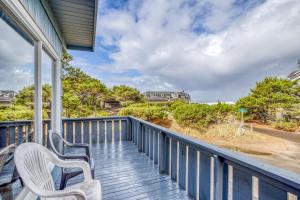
(193,115)
(221,110)
(101,113)
(290,126)
(149,113)
(176,104)
(201,116)
(13,113)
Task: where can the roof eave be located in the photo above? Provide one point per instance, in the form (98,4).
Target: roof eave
(95,25)
(81,48)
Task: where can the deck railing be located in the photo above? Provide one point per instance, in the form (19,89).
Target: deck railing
(79,130)
(208,172)
(204,171)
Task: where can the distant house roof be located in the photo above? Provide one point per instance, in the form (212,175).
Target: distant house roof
(77,21)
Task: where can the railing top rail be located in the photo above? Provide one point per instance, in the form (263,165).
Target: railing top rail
(23,122)
(281,175)
(15,123)
(95,118)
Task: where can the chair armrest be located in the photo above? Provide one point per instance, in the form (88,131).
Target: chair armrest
(76,157)
(78,145)
(9,159)
(83,145)
(74,164)
(77,193)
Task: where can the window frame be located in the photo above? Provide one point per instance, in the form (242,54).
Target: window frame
(25,23)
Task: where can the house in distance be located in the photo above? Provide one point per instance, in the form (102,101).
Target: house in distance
(164,96)
(6,97)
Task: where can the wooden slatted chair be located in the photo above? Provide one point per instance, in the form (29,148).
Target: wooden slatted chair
(33,162)
(68,151)
(8,171)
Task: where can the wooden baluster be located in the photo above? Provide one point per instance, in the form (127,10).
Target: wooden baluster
(162,153)
(218,177)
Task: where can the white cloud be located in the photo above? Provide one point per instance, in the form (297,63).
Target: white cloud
(235,48)
(16,60)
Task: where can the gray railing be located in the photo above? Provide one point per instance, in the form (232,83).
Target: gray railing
(79,130)
(204,171)
(15,132)
(208,172)
(96,130)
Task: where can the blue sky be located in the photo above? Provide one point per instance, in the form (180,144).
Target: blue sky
(215,50)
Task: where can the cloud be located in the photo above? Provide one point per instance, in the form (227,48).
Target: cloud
(213,49)
(17,60)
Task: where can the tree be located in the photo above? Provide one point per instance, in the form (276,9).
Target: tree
(126,94)
(25,98)
(81,91)
(270,94)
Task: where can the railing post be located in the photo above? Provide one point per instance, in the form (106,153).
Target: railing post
(2,137)
(162,153)
(139,136)
(218,177)
(129,129)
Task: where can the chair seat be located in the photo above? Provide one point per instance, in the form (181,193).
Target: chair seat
(71,151)
(91,189)
(7,174)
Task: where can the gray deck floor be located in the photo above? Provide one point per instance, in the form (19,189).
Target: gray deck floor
(125,173)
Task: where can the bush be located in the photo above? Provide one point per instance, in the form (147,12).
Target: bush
(286,126)
(176,104)
(193,115)
(13,113)
(101,113)
(147,112)
(221,110)
(201,116)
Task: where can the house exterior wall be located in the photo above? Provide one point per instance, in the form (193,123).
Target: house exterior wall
(38,13)
(166,96)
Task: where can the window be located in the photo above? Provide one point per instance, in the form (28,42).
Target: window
(47,64)
(16,75)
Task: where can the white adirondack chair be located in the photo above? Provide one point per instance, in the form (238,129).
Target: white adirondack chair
(33,162)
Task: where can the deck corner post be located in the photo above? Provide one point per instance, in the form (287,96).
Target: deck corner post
(139,136)
(129,129)
(162,153)
(218,177)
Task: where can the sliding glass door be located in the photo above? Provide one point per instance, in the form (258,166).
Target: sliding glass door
(17,71)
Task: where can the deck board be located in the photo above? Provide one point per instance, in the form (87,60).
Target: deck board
(125,173)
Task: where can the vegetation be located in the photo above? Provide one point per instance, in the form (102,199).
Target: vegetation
(268,96)
(84,96)
(127,95)
(286,125)
(201,116)
(146,112)
(272,97)
(11,113)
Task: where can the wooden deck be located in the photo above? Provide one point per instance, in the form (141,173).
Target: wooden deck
(127,174)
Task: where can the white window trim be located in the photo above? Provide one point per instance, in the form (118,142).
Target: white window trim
(24,20)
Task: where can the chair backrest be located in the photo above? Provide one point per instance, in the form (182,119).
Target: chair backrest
(56,143)
(33,164)
(4,155)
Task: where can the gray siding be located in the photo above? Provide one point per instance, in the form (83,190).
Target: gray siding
(38,13)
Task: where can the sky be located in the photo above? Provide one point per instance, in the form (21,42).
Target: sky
(212,49)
